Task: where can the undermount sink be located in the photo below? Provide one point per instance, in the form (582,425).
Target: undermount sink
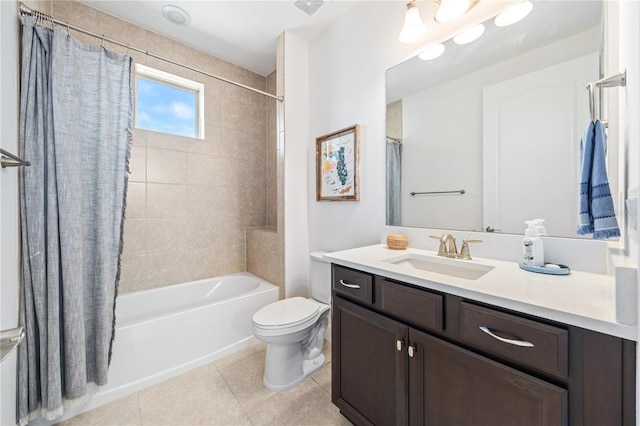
(441,265)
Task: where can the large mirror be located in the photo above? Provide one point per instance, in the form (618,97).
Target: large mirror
(487,135)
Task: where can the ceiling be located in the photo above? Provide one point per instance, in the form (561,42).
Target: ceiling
(241,32)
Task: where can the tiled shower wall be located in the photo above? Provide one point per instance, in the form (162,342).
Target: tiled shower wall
(189,201)
(265,245)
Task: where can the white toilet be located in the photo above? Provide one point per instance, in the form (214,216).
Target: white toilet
(294,329)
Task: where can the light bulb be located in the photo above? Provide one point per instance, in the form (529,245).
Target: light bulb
(451,9)
(432,52)
(413,27)
(469,35)
(514,13)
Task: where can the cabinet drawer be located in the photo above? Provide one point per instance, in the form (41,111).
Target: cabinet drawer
(524,341)
(420,307)
(354,284)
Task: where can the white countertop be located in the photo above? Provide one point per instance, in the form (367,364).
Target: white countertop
(581,299)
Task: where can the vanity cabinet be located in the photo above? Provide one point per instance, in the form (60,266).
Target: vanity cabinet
(408,355)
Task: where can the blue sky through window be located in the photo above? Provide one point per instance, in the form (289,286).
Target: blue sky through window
(164,108)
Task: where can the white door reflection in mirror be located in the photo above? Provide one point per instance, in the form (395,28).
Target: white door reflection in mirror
(531,136)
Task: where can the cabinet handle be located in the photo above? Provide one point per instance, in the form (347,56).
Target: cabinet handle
(523,343)
(399,345)
(411,351)
(349,285)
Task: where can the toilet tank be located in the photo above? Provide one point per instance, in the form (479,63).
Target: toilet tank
(320,277)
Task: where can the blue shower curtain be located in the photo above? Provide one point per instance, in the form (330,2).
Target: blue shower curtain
(75,120)
(394,173)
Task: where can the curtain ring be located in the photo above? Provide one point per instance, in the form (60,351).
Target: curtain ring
(102,40)
(127,49)
(68,32)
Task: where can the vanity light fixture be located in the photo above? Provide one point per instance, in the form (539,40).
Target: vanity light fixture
(432,52)
(176,15)
(514,13)
(413,27)
(450,10)
(469,35)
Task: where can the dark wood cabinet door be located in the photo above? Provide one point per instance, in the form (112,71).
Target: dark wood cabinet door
(369,373)
(452,386)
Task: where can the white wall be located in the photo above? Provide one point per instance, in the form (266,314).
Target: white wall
(347,86)
(8,201)
(296,124)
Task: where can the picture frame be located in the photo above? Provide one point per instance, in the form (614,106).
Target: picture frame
(337,165)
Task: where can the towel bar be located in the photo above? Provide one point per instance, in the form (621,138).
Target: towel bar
(460,191)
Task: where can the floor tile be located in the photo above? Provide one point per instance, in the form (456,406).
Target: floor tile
(306,404)
(245,380)
(203,402)
(226,392)
(124,411)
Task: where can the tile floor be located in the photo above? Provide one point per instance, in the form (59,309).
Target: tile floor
(225,392)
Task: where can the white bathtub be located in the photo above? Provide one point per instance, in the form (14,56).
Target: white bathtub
(164,332)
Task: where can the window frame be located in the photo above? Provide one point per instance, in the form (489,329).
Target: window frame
(177,82)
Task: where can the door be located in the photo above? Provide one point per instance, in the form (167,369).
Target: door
(449,385)
(369,370)
(536,119)
(9,222)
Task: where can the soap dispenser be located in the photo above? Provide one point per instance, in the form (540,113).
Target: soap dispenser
(532,246)
(542,230)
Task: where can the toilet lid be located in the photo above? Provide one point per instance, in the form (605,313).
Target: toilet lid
(286,312)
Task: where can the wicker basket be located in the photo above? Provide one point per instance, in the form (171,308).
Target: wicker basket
(397,241)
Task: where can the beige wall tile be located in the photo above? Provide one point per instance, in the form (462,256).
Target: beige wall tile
(203,263)
(204,201)
(203,169)
(138,164)
(167,268)
(134,275)
(116,28)
(165,166)
(230,202)
(135,237)
(167,141)
(166,235)
(77,14)
(170,49)
(136,200)
(233,172)
(233,259)
(209,146)
(139,137)
(166,200)
(203,232)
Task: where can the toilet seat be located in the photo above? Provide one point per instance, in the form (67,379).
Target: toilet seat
(287,313)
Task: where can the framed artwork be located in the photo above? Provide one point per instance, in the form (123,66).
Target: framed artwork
(337,165)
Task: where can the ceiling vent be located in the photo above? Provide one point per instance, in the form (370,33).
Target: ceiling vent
(308,7)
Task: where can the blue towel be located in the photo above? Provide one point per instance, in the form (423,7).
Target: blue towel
(596,205)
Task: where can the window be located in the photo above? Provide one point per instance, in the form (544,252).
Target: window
(168,103)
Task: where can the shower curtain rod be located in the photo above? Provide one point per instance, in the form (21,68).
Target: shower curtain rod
(26,10)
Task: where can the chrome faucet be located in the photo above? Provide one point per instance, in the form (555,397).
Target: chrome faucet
(448,247)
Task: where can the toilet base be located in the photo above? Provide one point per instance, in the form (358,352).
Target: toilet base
(308,367)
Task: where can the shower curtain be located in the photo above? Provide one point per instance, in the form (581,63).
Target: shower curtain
(394,173)
(75,120)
